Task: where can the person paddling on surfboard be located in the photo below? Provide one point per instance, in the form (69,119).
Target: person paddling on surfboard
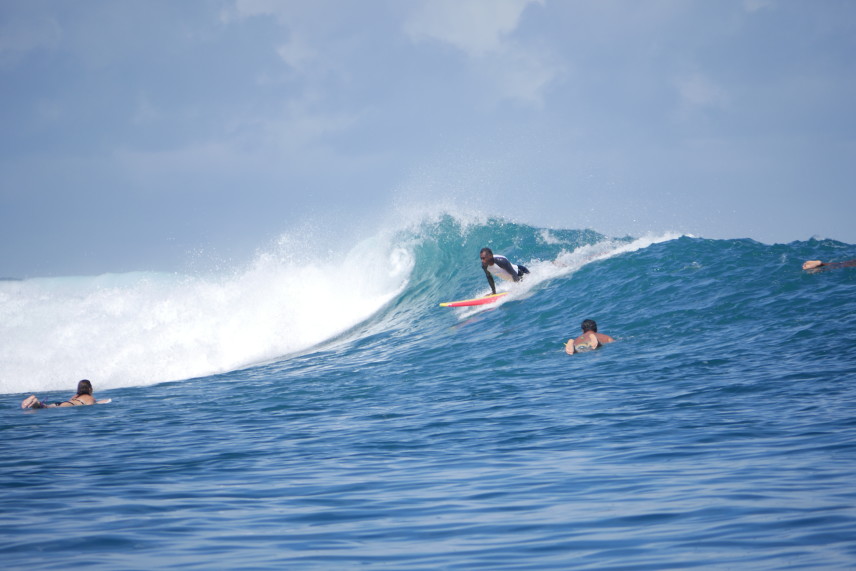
(589,340)
(83,397)
(817,264)
(499,266)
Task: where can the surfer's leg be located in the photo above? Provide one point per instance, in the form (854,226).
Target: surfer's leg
(31,402)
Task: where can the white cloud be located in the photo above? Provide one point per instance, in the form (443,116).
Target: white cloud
(757,5)
(483,30)
(297,53)
(477,27)
(697,90)
(300,50)
(522,74)
(250,8)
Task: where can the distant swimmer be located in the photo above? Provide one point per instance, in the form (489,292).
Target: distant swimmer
(83,397)
(817,264)
(500,266)
(589,340)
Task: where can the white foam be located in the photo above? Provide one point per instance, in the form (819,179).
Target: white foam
(567,262)
(144,328)
(571,261)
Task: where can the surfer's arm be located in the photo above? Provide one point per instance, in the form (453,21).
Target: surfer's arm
(489,280)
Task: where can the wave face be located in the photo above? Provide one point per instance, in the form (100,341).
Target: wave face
(144,328)
(324,405)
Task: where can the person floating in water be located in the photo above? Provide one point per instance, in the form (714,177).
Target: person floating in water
(817,264)
(589,340)
(500,267)
(83,397)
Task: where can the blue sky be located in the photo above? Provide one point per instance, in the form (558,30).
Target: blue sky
(137,134)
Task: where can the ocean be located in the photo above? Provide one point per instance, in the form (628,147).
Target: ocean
(319,410)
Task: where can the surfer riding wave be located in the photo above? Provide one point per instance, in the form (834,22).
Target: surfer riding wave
(496,265)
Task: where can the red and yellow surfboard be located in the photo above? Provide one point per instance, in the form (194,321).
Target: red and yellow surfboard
(475,301)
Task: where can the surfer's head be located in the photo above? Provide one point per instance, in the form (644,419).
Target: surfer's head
(486,256)
(589,325)
(84,387)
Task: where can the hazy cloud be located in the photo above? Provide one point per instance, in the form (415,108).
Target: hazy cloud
(248,100)
(22,33)
(145,112)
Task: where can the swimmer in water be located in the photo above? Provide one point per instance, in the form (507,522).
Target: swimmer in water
(817,264)
(83,397)
(589,340)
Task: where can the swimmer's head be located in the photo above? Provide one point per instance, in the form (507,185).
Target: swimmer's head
(589,325)
(84,387)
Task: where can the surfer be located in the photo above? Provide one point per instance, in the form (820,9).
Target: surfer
(83,397)
(815,264)
(501,267)
(590,339)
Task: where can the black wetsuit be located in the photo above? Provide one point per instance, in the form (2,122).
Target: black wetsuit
(504,269)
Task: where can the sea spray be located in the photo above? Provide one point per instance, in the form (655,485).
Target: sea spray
(143,328)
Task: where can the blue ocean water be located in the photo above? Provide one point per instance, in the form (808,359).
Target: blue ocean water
(268,418)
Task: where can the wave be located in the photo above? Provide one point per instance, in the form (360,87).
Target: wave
(138,329)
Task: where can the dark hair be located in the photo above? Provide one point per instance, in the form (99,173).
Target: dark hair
(84,387)
(589,325)
(486,251)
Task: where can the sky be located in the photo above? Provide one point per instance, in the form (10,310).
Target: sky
(144,135)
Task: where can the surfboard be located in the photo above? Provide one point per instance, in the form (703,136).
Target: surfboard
(475,301)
